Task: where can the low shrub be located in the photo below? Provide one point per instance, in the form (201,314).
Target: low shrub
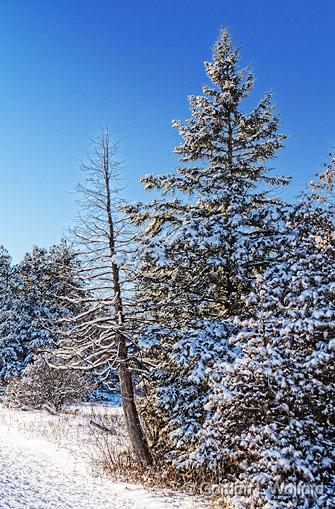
(41,384)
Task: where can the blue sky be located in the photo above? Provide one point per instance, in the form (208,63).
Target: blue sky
(70,66)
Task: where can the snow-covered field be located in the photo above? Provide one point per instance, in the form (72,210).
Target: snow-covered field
(45,463)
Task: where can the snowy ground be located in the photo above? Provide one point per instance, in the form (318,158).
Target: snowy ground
(45,464)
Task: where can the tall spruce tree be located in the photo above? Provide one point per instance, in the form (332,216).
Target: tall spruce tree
(201,246)
(203,241)
(270,422)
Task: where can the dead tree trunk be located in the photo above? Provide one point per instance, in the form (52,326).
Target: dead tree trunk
(135,431)
(98,337)
(134,427)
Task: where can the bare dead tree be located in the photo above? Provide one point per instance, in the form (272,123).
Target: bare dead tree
(100,335)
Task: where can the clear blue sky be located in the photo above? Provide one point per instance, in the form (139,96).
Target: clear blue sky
(70,66)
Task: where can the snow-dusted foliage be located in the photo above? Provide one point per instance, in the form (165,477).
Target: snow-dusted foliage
(197,252)
(177,406)
(31,304)
(270,422)
(8,346)
(216,296)
(203,240)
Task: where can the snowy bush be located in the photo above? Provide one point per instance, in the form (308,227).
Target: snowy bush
(41,384)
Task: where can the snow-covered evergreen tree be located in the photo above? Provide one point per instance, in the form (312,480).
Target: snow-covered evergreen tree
(8,345)
(196,261)
(33,304)
(271,413)
(213,226)
(32,281)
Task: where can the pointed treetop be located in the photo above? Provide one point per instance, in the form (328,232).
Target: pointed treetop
(224,72)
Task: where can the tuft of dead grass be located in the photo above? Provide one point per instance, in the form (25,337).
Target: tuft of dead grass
(113,456)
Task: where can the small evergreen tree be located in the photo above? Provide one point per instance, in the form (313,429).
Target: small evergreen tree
(30,306)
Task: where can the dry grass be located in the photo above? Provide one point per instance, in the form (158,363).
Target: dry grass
(113,456)
(68,431)
(104,445)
